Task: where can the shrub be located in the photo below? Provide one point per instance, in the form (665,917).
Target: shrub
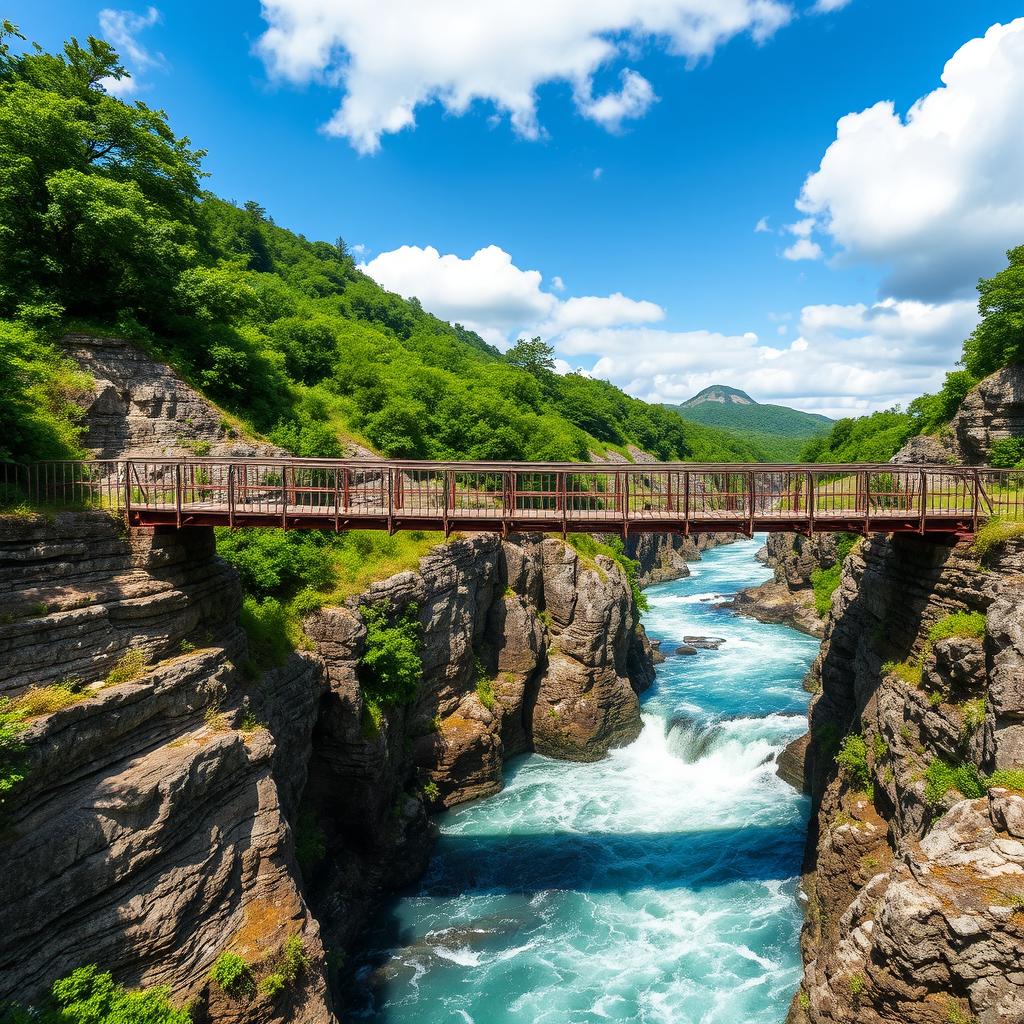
(232,974)
(391,666)
(272,984)
(1008,778)
(853,759)
(973,712)
(484,685)
(293,958)
(12,749)
(430,790)
(968,625)
(129,667)
(266,624)
(825,582)
(941,777)
(89,996)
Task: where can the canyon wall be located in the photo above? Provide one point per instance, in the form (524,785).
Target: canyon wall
(914,887)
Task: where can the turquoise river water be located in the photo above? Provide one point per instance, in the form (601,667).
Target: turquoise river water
(659,885)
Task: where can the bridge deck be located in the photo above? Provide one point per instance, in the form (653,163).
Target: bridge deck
(569,497)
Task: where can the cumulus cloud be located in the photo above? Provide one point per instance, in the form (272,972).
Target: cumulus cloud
(827,6)
(610,110)
(122,29)
(843,359)
(489,294)
(803,249)
(846,360)
(935,196)
(390,57)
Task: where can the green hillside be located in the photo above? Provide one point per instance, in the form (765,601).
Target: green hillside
(106,227)
(778,432)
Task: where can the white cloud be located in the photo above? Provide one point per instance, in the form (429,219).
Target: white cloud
(390,57)
(935,197)
(843,359)
(802,228)
(490,294)
(846,360)
(121,29)
(558,284)
(827,6)
(803,249)
(597,172)
(610,110)
(762,226)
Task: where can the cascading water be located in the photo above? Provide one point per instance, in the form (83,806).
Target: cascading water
(659,885)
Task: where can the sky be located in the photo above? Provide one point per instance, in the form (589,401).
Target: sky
(792,197)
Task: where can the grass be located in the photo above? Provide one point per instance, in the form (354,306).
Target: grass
(973,712)
(45,700)
(995,533)
(484,685)
(909,672)
(965,625)
(129,667)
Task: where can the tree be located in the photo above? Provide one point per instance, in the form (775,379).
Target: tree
(999,339)
(533,356)
(97,197)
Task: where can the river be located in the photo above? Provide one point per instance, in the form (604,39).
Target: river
(659,885)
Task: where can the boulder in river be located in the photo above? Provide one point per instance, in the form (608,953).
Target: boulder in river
(706,643)
(686,649)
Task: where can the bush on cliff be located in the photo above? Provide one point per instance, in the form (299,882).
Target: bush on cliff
(853,759)
(392,665)
(91,996)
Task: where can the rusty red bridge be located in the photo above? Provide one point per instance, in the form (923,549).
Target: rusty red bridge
(509,497)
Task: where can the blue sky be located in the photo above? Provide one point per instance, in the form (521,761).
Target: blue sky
(618,157)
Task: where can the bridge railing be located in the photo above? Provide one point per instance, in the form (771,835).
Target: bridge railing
(551,493)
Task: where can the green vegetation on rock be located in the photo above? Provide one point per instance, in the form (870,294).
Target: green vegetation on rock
(232,974)
(853,759)
(391,666)
(825,581)
(966,625)
(91,996)
(942,776)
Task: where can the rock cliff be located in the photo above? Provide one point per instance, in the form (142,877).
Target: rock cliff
(915,861)
(789,598)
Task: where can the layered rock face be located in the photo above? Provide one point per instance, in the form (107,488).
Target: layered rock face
(662,557)
(789,598)
(148,835)
(990,412)
(526,646)
(914,889)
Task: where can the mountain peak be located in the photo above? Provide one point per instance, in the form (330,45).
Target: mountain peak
(720,393)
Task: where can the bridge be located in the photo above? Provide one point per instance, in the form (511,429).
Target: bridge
(505,497)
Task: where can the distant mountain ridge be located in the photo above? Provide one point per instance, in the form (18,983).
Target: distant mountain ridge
(720,393)
(774,428)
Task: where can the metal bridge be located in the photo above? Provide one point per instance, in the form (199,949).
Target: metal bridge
(509,497)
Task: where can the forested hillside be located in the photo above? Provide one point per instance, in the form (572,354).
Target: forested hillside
(105,226)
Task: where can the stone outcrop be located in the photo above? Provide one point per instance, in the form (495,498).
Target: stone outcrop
(662,557)
(991,411)
(913,890)
(789,598)
(148,835)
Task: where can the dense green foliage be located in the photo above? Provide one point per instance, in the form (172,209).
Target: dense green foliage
(232,973)
(999,339)
(853,759)
(777,432)
(392,665)
(825,581)
(941,776)
(104,222)
(12,749)
(89,996)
